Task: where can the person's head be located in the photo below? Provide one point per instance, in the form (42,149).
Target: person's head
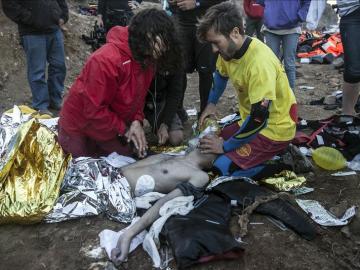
(154,39)
(222,26)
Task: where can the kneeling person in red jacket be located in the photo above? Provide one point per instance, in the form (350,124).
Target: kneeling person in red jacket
(103,110)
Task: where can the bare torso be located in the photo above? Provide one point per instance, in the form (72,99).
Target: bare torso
(167,171)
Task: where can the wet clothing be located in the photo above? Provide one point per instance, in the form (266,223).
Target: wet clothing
(203,235)
(110,92)
(291,215)
(36,17)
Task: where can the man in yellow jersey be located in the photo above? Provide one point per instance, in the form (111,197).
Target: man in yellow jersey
(267,104)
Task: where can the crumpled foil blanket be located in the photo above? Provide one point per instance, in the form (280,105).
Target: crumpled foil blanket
(90,187)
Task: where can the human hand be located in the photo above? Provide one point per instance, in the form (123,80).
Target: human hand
(100,21)
(211,145)
(136,135)
(163,134)
(120,252)
(186,4)
(210,110)
(61,22)
(133,5)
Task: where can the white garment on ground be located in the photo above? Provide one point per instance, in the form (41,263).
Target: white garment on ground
(109,239)
(144,201)
(178,206)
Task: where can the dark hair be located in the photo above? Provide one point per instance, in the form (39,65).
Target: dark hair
(223,18)
(144,29)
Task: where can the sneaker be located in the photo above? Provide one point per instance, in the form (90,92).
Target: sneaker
(45,112)
(297,160)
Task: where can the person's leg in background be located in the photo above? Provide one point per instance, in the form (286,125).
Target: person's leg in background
(205,66)
(35,50)
(289,44)
(57,69)
(350,35)
(274,42)
(250,26)
(176,131)
(187,36)
(259,33)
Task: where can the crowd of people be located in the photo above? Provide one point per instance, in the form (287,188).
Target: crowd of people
(141,72)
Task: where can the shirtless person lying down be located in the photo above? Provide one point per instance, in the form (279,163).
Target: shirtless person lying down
(177,176)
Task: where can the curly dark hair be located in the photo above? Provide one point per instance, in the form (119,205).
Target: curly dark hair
(151,26)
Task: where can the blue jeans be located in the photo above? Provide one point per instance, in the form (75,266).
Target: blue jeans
(39,50)
(289,44)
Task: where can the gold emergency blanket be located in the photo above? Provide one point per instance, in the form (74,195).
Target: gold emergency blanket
(285,181)
(31,171)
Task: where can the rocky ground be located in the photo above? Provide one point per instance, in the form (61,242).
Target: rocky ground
(66,245)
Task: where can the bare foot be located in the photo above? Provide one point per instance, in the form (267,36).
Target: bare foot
(120,253)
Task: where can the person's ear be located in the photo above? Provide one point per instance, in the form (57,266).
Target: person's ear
(235,33)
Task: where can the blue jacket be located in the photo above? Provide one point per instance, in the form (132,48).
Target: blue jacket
(284,14)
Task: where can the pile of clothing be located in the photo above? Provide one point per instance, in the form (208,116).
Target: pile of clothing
(319,48)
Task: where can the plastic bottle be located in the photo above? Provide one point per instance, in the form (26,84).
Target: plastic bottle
(328,158)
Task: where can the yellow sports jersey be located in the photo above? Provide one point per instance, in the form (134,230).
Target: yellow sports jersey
(259,75)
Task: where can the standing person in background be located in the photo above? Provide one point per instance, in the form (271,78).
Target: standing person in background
(103,111)
(198,56)
(254,18)
(39,23)
(349,11)
(116,12)
(282,29)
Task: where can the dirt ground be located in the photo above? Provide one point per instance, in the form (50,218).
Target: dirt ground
(66,245)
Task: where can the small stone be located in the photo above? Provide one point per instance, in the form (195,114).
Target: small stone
(67,238)
(346,232)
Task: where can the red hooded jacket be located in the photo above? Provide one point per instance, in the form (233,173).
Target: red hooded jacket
(109,93)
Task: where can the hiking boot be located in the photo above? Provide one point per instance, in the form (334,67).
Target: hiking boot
(45,112)
(297,160)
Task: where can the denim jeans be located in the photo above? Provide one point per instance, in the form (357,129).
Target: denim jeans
(39,50)
(289,44)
